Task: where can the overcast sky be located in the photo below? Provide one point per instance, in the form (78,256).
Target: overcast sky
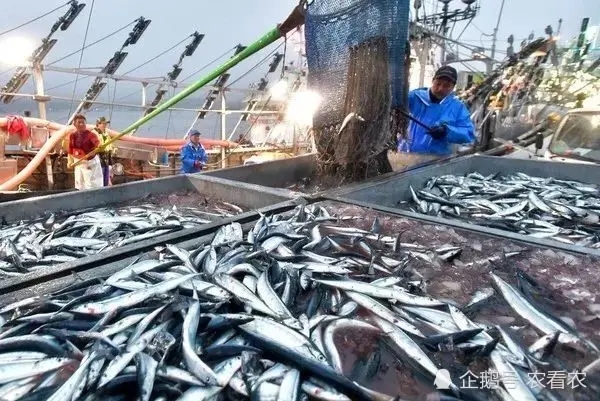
(228,22)
(225,23)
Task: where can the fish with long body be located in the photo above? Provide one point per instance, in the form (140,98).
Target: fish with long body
(264,319)
(563,210)
(29,245)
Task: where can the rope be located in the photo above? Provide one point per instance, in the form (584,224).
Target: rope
(158,55)
(93,43)
(81,57)
(33,20)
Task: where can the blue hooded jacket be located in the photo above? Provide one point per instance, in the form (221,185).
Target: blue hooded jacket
(189,155)
(450,111)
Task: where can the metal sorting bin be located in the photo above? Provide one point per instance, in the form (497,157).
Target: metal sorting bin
(386,194)
(108,263)
(248,196)
(277,173)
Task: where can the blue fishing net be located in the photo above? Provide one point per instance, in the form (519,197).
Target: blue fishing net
(333,26)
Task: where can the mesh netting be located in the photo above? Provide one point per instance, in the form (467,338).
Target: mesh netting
(333,26)
(342,38)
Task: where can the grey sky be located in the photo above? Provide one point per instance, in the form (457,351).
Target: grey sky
(228,22)
(225,23)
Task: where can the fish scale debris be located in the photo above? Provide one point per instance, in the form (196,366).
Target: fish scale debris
(260,324)
(27,246)
(562,210)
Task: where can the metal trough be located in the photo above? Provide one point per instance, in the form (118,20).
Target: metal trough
(108,263)
(386,194)
(276,174)
(248,196)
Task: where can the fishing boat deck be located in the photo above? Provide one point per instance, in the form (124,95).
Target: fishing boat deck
(568,287)
(567,279)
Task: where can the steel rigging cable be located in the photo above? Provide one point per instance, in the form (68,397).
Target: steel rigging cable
(190,75)
(87,28)
(208,64)
(158,55)
(93,43)
(34,19)
(261,62)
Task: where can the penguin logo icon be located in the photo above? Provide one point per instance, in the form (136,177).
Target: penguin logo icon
(442,379)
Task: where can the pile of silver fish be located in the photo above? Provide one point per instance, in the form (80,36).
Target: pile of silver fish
(28,246)
(258,316)
(566,211)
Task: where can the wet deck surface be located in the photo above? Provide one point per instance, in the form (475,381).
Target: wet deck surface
(182,200)
(314,184)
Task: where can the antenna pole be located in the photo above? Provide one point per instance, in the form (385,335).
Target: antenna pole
(490,62)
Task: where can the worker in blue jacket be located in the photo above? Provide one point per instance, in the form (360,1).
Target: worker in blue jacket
(439,108)
(193,155)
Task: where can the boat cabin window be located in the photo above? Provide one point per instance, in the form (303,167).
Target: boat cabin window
(578,137)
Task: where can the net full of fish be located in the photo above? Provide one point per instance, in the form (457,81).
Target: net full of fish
(563,210)
(256,315)
(27,246)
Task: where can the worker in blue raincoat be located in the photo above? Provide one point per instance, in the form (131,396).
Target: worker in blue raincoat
(446,116)
(193,155)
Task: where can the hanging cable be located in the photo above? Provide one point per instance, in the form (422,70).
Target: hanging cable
(169,118)
(129,95)
(188,76)
(439,43)
(157,56)
(261,62)
(112,104)
(481,31)
(465,28)
(87,28)
(207,64)
(67,83)
(270,96)
(85,47)
(471,48)
(93,43)
(34,19)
